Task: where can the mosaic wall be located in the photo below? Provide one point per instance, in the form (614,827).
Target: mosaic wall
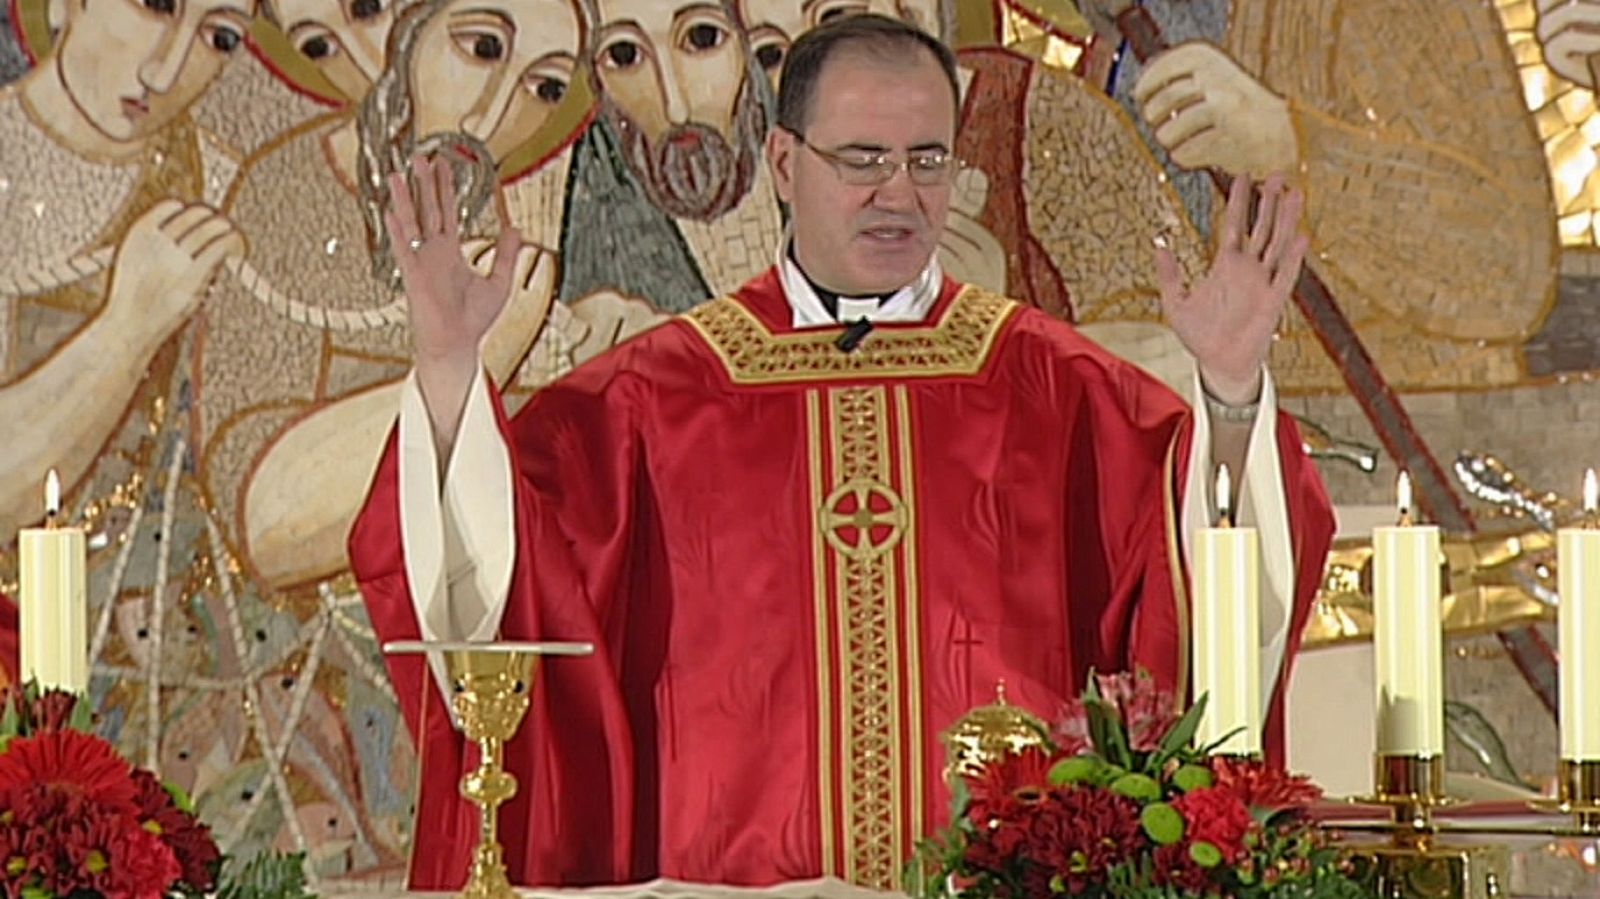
(189,255)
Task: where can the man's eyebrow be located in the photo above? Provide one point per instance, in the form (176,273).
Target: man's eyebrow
(485,11)
(695,8)
(931,146)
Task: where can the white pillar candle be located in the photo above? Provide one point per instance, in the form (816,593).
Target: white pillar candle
(1406,635)
(53,605)
(1226,650)
(1579,562)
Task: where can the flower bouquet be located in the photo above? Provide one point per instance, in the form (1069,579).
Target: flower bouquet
(77,821)
(1117,804)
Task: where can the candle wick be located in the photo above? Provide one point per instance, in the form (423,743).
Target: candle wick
(1405,518)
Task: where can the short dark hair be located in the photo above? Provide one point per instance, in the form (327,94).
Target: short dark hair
(881,37)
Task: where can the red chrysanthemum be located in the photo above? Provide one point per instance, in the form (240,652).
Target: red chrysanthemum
(111,854)
(1085,832)
(1260,786)
(189,839)
(1147,712)
(75,763)
(1218,817)
(1174,867)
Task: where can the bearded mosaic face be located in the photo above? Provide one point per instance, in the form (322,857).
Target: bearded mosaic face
(133,66)
(495,70)
(674,88)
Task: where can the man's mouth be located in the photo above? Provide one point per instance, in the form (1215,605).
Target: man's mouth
(887,234)
(135,108)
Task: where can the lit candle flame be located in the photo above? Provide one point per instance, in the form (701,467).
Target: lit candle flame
(1403,493)
(1591,493)
(1224,496)
(52,494)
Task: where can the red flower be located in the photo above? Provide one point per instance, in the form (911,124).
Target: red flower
(1261,786)
(76,763)
(111,854)
(1024,776)
(189,840)
(1216,816)
(1147,710)
(51,712)
(1087,830)
(1175,868)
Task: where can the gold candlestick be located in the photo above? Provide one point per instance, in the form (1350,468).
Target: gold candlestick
(491,686)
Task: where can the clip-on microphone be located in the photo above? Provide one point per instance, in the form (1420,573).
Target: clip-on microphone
(853,335)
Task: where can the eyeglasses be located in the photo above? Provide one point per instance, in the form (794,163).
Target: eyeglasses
(865,168)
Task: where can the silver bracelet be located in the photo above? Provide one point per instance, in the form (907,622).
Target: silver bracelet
(1240,415)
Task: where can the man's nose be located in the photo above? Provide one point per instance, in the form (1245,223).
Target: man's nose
(896,193)
(160,70)
(485,115)
(674,99)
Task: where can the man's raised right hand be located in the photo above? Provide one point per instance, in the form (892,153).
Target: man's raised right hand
(452,306)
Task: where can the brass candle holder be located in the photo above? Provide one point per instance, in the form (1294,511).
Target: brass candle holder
(1411,785)
(491,686)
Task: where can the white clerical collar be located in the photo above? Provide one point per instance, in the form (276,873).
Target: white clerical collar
(908,304)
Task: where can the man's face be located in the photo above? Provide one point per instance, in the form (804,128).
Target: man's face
(494,69)
(866,239)
(674,87)
(772,25)
(132,66)
(344,39)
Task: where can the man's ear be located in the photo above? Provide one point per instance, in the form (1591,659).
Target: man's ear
(780,149)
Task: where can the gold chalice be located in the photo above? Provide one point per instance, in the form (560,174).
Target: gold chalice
(491,685)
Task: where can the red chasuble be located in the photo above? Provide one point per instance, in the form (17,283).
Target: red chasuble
(800,566)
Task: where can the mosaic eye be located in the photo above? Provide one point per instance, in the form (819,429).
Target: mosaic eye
(770,56)
(488,46)
(623,55)
(318,47)
(704,36)
(550,90)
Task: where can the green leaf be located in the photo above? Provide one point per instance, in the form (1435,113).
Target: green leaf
(82,719)
(1181,734)
(1107,733)
(10,722)
(270,875)
(180,798)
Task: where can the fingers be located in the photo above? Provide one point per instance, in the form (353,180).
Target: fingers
(1185,126)
(445,186)
(1288,270)
(1261,233)
(1174,65)
(1234,215)
(400,218)
(1171,100)
(185,219)
(206,236)
(1281,253)
(431,220)
(1169,278)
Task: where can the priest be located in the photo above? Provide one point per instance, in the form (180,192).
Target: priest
(809,525)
